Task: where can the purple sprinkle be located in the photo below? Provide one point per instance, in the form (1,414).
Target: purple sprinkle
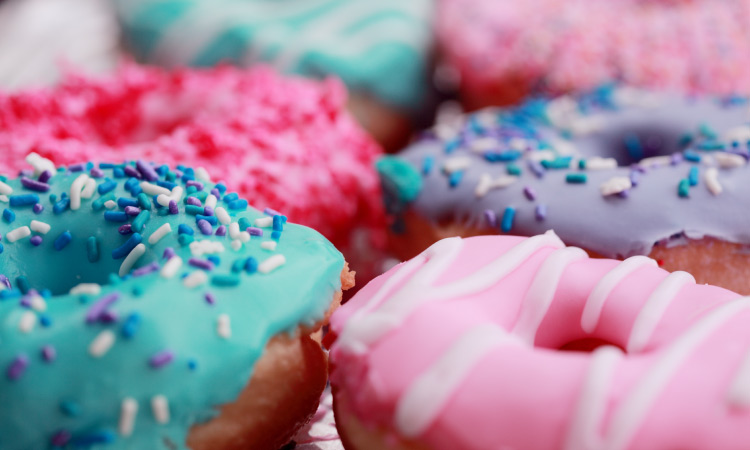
(17,367)
(194,201)
(541,212)
(77,167)
(25,301)
(179,173)
(271,212)
(255,231)
(490,217)
(173,207)
(34,185)
(38,208)
(168,253)
(536,167)
(201,263)
(529,193)
(49,353)
(208,211)
(125,229)
(132,172)
(147,170)
(676,158)
(210,299)
(4,280)
(108,317)
(101,305)
(36,241)
(96,172)
(145,270)
(61,438)
(44,176)
(215,192)
(624,194)
(205,227)
(161,359)
(221,231)
(197,184)
(132,210)
(635,177)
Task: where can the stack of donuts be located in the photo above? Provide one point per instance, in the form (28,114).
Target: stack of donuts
(350,225)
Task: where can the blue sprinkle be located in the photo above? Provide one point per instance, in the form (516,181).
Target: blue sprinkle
(115,216)
(536,168)
(8,215)
(541,212)
(118,172)
(634,147)
(107,186)
(214,259)
(97,437)
(251,265)
(166,184)
(711,145)
(236,205)
(184,229)
(23,200)
(210,219)
(131,325)
(508,216)
(452,145)
(131,183)
(427,164)
(503,156)
(123,250)
(61,206)
(221,187)
(693,176)
(105,165)
(63,240)
(278,223)
(124,202)
(231,197)
(455,178)
(276,235)
(2,248)
(692,156)
(192,364)
(45,321)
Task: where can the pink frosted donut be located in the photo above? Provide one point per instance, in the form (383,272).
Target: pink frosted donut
(460,348)
(502,50)
(281,142)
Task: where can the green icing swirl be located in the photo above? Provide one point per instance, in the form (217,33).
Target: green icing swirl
(81,394)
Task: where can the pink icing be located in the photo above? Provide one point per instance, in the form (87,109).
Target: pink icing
(688,387)
(281,142)
(694,46)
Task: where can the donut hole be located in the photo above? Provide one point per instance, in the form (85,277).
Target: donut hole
(587,345)
(631,145)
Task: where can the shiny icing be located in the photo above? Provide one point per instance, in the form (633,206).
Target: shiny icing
(378,48)
(442,349)
(616,171)
(89,358)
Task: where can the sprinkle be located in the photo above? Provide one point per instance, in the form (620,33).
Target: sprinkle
(63,240)
(195,279)
(234,229)
(161,359)
(38,208)
(201,264)
(107,186)
(427,164)
(597,163)
(615,185)
(655,161)
(168,253)
(238,205)
(271,263)
(145,270)
(37,303)
(131,325)
(131,172)
(185,229)
(173,207)
(729,160)
(254,231)
(490,217)
(101,343)
(245,236)
(40,227)
(18,233)
(99,306)
(5,189)
(210,299)
(127,247)
(202,174)
(507,221)
(456,164)
(90,439)
(576,178)
(75,191)
(153,189)
(9,216)
(23,200)
(244,223)
(210,219)
(86,288)
(143,201)
(205,227)
(278,222)
(115,216)
(61,206)
(177,193)
(193,210)
(131,259)
(693,176)
(92,249)
(125,229)
(455,179)
(88,189)
(236,244)
(160,232)
(683,188)
(49,353)
(486,183)
(560,162)
(536,168)
(541,212)
(27,322)
(39,163)
(211,201)
(692,156)
(221,231)
(128,412)
(147,171)
(160,409)
(17,367)
(223,326)
(140,221)
(529,192)
(205,247)
(231,197)
(110,204)
(132,210)
(268,245)
(711,177)
(34,185)
(193,201)
(251,265)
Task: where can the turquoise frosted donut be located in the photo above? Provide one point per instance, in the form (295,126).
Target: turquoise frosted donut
(135,299)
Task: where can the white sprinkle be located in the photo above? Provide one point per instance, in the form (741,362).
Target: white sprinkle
(271,263)
(264,222)
(564,148)
(202,174)
(597,163)
(5,189)
(205,247)
(223,326)
(39,163)
(38,303)
(222,215)
(729,160)
(483,144)
(160,409)
(4,198)
(101,343)
(160,232)
(486,183)
(236,244)
(615,185)
(738,134)
(40,227)
(163,199)
(456,164)
(268,245)
(711,177)
(130,260)
(171,267)
(86,288)
(128,411)
(154,189)
(519,144)
(244,236)
(195,279)
(177,193)
(110,204)
(541,155)
(234,230)
(27,322)
(89,188)
(655,161)
(75,191)
(18,233)
(211,201)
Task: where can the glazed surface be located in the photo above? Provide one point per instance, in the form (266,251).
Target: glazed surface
(176,336)
(615,172)
(459,348)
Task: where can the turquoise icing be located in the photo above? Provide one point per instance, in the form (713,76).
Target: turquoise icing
(379,48)
(79,394)
(402,178)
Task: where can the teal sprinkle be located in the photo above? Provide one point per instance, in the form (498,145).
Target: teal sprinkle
(225,280)
(194,210)
(561,162)
(251,265)
(691,156)
(399,178)
(508,216)
(427,164)
(2,248)
(708,132)
(98,204)
(92,249)
(131,325)
(685,140)
(70,408)
(170,176)
(140,220)
(8,215)
(238,205)
(452,145)
(53,198)
(455,178)
(238,265)
(711,146)
(201,195)
(244,223)
(582,164)
(191,190)
(192,364)
(693,176)
(513,169)
(23,284)
(137,290)
(683,189)
(576,178)
(143,201)
(634,147)
(185,239)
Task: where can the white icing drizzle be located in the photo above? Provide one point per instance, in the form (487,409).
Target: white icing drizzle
(542,291)
(738,394)
(592,309)
(427,395)
(654,308)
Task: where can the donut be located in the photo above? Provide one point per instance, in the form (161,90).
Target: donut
(618,172)
(381,50)
(510,342)
(144,308)
(284,143)
(501,52)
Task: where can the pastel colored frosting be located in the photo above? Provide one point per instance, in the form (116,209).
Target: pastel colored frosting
(692,46)
(281,142)
(123,322)
(377,48)
(460,348)
(615,171)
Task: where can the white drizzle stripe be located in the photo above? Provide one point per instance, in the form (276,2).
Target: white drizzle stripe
(427,395)
(160,409)
(171,267)
(539,297)
(632,412)
(160,232)
(75,191)
(130,260)
(40,227)
(738,394)
(654,308)
(128,411)
(583,433)
(592,309)
(18,233)
(88,189)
